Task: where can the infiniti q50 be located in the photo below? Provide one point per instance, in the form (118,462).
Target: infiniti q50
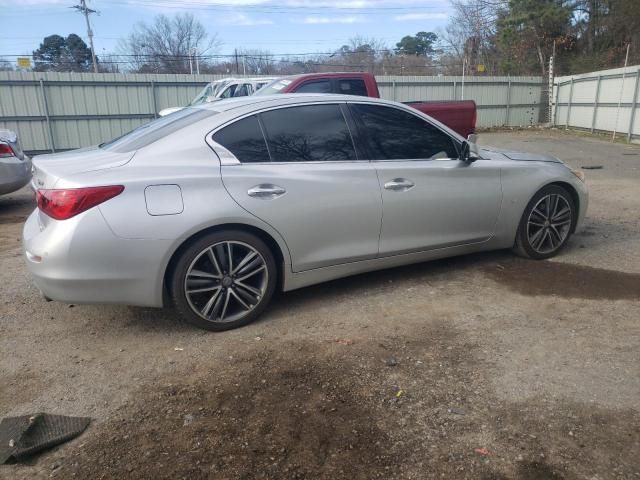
(213,208)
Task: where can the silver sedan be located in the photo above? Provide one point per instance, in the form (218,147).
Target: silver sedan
(212,209)
(15,166)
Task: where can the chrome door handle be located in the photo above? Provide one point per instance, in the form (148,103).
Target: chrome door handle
(266,191)
(399,185)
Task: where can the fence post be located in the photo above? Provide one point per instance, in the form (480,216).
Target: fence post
(634,104)
(393,84)
(595,105)
(556,87)
(566,123)
(52,143)
(455,89)
(154,102)
(506,121)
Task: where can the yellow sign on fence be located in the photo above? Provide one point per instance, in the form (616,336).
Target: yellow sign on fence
(24,62)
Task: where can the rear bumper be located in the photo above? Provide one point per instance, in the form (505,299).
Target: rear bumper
(81,261)
(14,174)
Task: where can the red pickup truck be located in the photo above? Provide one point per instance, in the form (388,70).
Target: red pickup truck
(459,115)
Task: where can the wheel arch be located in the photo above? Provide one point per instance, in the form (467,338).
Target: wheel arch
(574,196)
(266,237)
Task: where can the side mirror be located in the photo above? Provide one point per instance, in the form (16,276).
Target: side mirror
(469,150)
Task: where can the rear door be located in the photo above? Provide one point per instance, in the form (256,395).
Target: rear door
(431,198)
(297,169)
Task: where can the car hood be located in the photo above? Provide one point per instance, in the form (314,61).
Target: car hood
(49,168)
(501,153)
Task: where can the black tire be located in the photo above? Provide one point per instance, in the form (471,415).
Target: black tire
(198,251)
(524,246)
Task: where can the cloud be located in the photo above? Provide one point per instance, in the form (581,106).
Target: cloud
(410,17)
(318,20)
(243,20)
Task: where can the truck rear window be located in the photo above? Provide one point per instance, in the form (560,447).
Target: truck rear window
(352,86)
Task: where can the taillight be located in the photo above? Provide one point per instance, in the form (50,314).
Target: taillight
(6,150)
(66,203)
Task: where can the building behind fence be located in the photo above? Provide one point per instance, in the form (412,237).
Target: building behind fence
(59,111)
(604,101)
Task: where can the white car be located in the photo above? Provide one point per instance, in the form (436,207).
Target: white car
(225,88)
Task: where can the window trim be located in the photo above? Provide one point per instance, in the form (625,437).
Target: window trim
(416,113)
(229,159)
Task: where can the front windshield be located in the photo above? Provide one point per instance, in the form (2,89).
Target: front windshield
(202,96)
(211,90)
(274,87)
(156,129)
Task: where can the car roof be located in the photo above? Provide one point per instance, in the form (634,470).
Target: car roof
(328,75)
(286,99)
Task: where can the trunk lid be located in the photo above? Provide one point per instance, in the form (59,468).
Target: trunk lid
(49,168)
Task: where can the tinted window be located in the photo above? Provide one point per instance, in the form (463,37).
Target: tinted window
(352,87)
(321,86)
(157,129)
(393,134)
(308,133)
(245,140)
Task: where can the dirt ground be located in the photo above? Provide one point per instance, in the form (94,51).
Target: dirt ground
(479,367)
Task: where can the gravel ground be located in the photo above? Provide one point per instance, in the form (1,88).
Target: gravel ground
(481,367)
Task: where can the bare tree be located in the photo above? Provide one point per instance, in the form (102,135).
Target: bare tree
(168,45)
(5,65)
(469,37)
(256,62)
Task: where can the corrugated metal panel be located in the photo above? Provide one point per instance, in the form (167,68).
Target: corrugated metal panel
(88,108)
(602,100)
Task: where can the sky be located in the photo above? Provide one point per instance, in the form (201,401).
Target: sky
(281,26)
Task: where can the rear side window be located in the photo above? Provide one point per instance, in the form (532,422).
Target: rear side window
(308,133)
(352,87)
(320,86)
(245,140)
(393,134)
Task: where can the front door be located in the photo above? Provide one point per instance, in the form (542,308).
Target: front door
(430,198)
(298,171)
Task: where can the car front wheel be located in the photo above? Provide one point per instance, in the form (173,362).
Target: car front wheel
(546,223)
(223,280)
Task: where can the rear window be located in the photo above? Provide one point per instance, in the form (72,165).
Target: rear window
(353,86)
(308,133)
(155,130)
(316,86)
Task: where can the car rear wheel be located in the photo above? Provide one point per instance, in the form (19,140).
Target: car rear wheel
(223,280)
(546,223)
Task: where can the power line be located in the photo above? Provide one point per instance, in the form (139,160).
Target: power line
(86,11)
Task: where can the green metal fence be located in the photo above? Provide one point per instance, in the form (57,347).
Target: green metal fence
(60,111)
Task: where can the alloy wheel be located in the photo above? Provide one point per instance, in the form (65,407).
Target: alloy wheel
(549,223)
(226,281)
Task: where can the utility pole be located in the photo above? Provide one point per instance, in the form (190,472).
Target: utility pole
(86,11)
